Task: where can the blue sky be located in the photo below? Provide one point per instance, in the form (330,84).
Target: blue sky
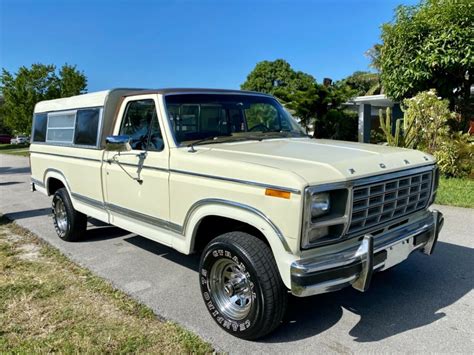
(190,43)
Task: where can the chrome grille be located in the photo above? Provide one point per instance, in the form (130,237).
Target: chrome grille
(383,201)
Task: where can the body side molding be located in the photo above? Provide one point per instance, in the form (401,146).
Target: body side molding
(168,225)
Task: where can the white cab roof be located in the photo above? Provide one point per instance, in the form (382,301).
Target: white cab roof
(95,99)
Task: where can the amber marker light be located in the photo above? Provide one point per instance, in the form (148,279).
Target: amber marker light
(278,193)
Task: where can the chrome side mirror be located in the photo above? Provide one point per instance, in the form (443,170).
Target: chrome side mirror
(118,144)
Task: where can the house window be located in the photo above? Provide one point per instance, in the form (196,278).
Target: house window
(61,127)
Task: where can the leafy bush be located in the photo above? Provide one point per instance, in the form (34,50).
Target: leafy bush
(455,155)
(428,114)
(425,126)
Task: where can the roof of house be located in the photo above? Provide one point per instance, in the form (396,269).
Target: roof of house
(374,100)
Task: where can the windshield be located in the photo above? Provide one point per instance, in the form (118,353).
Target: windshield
(206,118)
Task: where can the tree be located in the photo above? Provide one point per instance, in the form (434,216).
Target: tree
(28,86)
(277,78)
(312,103)
(364,83)
(71,81)
(430,45)
(374,55)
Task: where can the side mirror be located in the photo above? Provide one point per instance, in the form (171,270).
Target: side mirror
(117,144)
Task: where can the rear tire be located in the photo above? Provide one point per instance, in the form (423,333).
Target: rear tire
(241,285)
(70,224)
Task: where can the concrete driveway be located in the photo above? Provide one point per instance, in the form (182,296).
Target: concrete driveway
(423,305)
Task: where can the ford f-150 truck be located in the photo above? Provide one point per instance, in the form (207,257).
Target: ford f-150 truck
(231,175)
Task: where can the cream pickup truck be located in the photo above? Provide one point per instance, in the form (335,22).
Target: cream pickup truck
(231,175)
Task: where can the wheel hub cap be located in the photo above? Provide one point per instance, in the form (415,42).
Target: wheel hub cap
(60,215)
(230,289)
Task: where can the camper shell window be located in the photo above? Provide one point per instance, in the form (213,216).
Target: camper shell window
(79,127)
(39,127)
(61,127)
(87,127)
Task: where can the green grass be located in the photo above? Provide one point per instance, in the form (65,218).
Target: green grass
(11,146)
(14,149)
(49,304)
(456,192)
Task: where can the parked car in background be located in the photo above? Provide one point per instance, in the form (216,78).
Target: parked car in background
(20,140)
(5,138)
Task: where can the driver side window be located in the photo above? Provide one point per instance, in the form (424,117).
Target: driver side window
(140,123)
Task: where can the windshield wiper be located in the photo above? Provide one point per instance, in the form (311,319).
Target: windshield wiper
(214,140)
(207,139)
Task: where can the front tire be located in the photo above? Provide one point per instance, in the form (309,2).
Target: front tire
(241,285)
(70,224)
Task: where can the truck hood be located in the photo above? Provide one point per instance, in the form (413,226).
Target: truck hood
(319,161)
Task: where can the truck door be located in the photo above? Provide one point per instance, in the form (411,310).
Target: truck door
(136,182)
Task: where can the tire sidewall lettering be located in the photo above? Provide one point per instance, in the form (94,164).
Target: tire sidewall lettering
(226,323)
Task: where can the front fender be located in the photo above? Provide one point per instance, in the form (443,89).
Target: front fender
(222,208)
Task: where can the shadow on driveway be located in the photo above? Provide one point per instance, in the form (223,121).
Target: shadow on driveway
(29,213)
(189,261)
(408,296)
(405,297)
(8,183)
(4,170)
(98,231)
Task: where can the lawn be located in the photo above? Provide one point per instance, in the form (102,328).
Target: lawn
(49,304)
(14,149)
(456,192)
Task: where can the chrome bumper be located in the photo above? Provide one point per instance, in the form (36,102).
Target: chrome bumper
(355,265)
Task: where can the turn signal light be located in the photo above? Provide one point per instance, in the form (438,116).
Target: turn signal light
(278,193)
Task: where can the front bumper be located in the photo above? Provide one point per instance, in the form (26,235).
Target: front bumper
(355,265)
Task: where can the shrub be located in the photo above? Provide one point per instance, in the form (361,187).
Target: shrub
(428,114)
(426,126)
(455,155)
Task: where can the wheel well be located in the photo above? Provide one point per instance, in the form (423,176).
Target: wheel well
(211,227)
(54,185)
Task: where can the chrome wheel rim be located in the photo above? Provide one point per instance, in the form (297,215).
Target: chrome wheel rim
(231,289)
(60,215)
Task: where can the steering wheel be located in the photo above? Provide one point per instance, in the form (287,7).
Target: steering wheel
(140,142)
(259,126)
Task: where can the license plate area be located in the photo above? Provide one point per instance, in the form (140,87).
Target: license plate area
(398,253)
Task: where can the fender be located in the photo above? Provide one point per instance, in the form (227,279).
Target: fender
(57,174)
(244,213)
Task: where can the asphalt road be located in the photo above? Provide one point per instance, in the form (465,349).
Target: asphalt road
(423,305)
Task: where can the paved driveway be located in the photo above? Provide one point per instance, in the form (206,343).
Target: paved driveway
(423,305)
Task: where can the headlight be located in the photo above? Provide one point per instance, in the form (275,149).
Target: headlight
(320,204)
(325,215)
(317,233)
